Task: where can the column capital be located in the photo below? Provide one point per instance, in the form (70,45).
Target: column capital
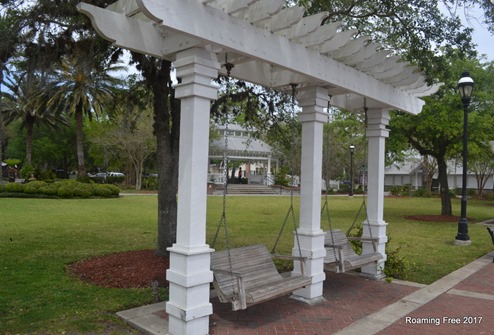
(377,120)
(313,96)
(196,68)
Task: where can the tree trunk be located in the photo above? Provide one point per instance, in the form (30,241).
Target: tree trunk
(29,142)
(81,167)
(167,131)
(444,187)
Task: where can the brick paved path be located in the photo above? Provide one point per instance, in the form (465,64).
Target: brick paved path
(348,298)
(471,303)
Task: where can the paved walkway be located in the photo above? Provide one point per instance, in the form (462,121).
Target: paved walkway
(459,303)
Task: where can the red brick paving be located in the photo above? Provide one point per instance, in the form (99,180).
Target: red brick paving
(348,298)
(480,282)
(475,315)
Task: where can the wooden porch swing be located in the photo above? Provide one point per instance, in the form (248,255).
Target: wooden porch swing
(340,255)
(247,275)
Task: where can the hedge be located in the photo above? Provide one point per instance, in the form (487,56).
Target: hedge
(60,189)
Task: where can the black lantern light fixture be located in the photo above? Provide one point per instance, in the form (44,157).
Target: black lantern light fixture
(352,150)
(465,88)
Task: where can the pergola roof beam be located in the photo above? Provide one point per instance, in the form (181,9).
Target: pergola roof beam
(270,45)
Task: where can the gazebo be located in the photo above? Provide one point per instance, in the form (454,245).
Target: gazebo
(276,47)
(242,146)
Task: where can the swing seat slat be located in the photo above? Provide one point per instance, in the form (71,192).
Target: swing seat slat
(341,257)
(254,278)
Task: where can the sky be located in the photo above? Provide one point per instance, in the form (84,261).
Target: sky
(481,36)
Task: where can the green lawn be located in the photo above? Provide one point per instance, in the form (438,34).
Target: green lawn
(39,237)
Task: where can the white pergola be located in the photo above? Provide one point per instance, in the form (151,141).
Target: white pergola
(276,47)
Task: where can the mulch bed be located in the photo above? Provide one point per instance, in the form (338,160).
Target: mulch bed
(433,218)
(132,269)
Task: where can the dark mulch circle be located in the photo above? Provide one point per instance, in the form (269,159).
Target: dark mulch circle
(132,269)
(433,218)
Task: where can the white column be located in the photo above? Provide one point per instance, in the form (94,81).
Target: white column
(268,174)
(313,101)
(375,227)
(189,273)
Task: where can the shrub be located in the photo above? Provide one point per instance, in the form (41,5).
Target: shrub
(423,193)
(115,190)
(65,191)
(49,189)
(27,171)
(14,187)
(82,190)
(150,183)
(102,191)
(396,266)
(402,190)
(33,187)
(395,190)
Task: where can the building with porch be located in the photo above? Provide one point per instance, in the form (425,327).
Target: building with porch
(255,159)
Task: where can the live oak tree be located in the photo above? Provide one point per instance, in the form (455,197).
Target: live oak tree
(438,130)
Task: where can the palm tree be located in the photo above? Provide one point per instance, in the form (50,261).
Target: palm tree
(10,26)
(83,87)
(26,100)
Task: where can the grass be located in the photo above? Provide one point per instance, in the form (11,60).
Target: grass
(39,237)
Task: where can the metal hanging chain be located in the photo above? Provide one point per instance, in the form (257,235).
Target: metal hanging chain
(223,220)
(291,211)
(325,207)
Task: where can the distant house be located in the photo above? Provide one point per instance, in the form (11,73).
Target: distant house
(411,173)
(256,158)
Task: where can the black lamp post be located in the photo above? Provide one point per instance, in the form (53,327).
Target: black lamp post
(352,150)
(465,87)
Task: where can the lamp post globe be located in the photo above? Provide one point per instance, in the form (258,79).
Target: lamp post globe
(465,88)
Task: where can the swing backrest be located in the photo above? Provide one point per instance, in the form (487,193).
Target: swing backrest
(338,238)
(254,263)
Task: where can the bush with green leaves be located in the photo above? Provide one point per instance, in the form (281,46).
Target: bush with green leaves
(422,192)
(27,171)
(102,191)
(63,189)
(396,266)
(14,188)
(33,187)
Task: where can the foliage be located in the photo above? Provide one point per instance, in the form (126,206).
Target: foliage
(437,131)
(411,29)
(61,189)
(281,178)
(400,190)
(422,192)
(12,162)
(27,171)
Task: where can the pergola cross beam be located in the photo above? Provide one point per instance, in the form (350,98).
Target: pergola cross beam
(265,36)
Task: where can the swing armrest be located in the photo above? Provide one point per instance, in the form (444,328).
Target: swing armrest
(335,246)
(241,303)
(369,239)
(302,260)
(289,257)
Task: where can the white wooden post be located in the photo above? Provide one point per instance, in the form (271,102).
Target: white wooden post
(313,101)
(189,273)
(377,120)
